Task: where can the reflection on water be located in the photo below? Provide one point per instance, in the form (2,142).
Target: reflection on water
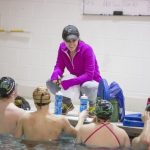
(8,142)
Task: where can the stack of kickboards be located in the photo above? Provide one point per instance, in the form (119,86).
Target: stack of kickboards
(135,119)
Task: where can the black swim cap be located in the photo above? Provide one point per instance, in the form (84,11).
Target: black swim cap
(7,86)
(70,32)
(103,109)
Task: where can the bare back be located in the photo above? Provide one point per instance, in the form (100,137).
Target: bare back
(109,136)
(9,115)
(36,126)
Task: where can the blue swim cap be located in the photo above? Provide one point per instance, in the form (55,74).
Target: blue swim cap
(7,86)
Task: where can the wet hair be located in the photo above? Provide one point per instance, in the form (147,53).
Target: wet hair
(103,109)
(7,86)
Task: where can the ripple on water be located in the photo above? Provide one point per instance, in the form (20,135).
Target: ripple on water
(8,142)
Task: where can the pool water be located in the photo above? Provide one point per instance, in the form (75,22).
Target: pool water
(7,142)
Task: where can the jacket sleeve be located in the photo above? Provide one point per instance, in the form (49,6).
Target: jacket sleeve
(59,67)
(89,58)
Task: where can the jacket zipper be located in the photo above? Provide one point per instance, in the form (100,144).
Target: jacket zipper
(70,58)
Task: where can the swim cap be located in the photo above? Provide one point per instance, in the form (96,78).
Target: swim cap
(70,32)
(41,96)
(103,109)
(7,86)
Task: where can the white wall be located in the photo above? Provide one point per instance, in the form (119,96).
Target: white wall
(121,44)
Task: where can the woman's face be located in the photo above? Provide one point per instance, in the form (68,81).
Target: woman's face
(72,44)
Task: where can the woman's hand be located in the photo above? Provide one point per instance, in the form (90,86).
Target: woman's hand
(57,82)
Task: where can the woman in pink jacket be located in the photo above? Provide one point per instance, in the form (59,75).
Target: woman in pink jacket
(79,59)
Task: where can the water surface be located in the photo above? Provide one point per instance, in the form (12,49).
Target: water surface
(8,142)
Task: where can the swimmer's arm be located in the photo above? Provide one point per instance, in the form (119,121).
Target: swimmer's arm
(135,143)
(123,138)
(127,140)
(83,115)
(78,138)
(138,145)
(145,136)
(19,128)
(68,128)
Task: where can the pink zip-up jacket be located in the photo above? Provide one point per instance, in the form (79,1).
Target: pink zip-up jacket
(83,65)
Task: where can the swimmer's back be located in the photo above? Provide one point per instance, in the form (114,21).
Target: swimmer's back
(37,126)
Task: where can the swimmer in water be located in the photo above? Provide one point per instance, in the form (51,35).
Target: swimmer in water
(42,125)
(102,133)
(9,112)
